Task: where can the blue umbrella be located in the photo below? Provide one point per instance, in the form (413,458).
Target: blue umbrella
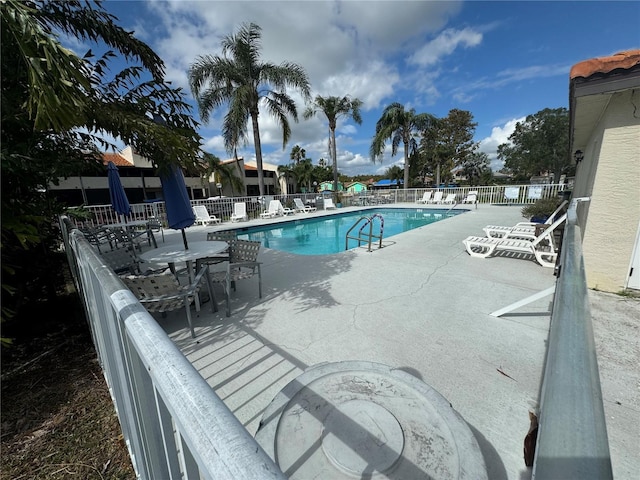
(119,200)
(176,201)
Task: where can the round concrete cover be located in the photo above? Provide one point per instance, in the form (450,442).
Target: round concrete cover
(360,419)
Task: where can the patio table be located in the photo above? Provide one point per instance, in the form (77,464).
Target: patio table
(173,254)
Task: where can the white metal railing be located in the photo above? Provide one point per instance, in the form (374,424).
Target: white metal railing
(170,435)
(223,207)
(572,437)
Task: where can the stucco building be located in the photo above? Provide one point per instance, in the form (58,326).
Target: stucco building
(604,99)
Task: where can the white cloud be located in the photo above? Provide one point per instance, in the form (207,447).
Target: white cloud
(499,135)
(445,44)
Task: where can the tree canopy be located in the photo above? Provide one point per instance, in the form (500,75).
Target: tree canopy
(400,126)
(240,81)
(56,106)
(334,108)
(539,145)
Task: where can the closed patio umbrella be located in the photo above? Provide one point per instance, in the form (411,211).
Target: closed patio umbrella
(176,200)
(119,200)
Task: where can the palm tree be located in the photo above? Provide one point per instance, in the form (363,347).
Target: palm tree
(238,79)
(334,108)
(303,172)
(213,166)
(398,125)
(285,171)
(298,154)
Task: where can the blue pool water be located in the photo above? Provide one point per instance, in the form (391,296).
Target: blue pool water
(326,235)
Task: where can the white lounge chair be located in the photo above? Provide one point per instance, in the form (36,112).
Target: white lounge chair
(239,212)
(472,197)
(521,229)
(426,197)
(328,204)
(203,217)
(541,247)
(282,210)
(270,212)
(275,209)
(450,199)
(301,207)
(437,197)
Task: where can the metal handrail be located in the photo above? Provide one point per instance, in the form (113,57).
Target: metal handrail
(572,435)
(169,434)
(370,236)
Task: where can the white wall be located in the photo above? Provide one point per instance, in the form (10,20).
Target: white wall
(611,176)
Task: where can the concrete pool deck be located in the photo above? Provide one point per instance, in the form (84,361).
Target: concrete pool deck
(420,304)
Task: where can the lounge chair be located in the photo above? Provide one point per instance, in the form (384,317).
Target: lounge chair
(239,212)
(426,197)
(472,197)
(301,207)
(283,210)
(541,247)
(270,212)
(450,199)
(203,217)
(521,229)
(328,204)
(437,197)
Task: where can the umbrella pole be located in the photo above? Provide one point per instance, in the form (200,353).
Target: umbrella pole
(184,239)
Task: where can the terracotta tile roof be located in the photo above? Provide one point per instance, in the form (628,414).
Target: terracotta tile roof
(249,167)
(116,158)
(621,60)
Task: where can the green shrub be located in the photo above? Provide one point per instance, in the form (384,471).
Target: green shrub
(541,210)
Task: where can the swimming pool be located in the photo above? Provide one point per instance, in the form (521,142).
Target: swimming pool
(326,235)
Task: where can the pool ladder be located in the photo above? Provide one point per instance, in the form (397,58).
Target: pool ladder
(367,237)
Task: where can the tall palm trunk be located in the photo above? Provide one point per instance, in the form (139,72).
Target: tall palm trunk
(258,147)
(406,165)
(334,154)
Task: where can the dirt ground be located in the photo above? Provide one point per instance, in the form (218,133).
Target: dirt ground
(57,418)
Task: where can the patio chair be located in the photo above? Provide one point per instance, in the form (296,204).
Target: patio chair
(437,197)
(98,237)
(243,264)
(121,260)
(301,207)
(155,225)
(203,217)
(163,293)
(239,212)
(328,204)
(542,247)
(129,237)
(220,236)
(521,229)
(426,197)
(472,197)
(450,199)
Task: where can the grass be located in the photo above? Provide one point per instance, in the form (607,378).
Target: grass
(57,417)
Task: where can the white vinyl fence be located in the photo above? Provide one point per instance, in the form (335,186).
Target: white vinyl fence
(223,207)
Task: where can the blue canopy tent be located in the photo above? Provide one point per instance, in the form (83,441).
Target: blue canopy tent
(119,200)
(176,201)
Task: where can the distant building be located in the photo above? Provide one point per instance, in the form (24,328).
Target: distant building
(329,186)
(356,187)
(386,183)
(138,179)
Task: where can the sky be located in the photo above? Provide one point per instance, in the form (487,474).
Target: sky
(500,60)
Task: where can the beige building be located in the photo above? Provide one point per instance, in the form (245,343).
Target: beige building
(605,139)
